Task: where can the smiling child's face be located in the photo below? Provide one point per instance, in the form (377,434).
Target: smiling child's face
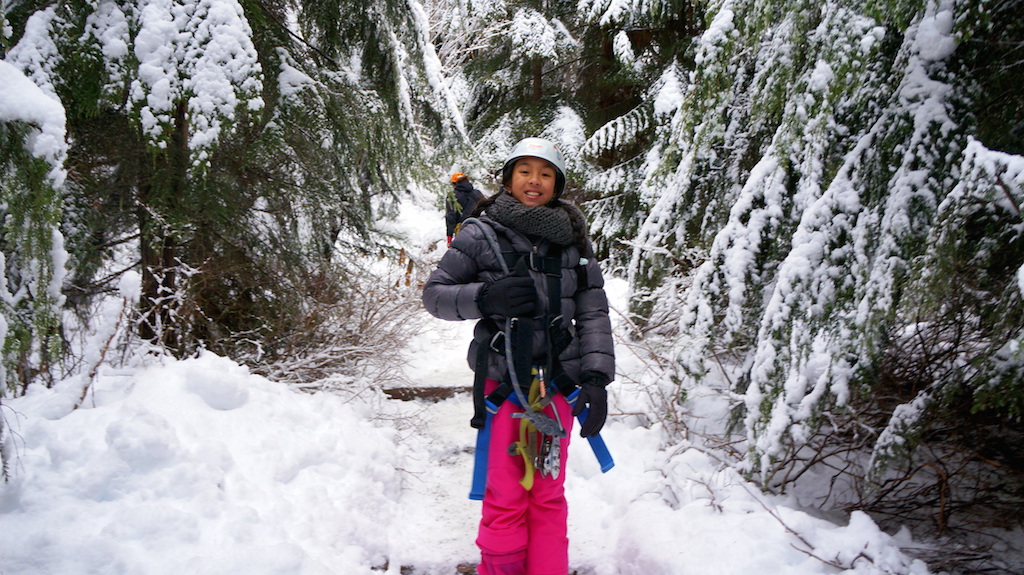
(533,181)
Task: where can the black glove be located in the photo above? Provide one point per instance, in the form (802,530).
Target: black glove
(512,296)
(594,395)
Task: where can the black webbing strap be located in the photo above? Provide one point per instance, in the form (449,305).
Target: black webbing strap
(549,264)
(493,340)
(479,375)
(582,279)
(553,321)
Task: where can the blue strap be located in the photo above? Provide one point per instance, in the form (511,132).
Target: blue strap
(597,445)
(604,457)
(483,445)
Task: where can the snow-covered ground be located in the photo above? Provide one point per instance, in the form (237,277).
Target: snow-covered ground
(200,467)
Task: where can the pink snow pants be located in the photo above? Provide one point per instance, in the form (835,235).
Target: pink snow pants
(522,532)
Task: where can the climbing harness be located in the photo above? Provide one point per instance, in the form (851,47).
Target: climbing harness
(518,335)
(543,453)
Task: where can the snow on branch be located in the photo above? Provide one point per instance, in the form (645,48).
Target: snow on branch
(200,51)
(21,100)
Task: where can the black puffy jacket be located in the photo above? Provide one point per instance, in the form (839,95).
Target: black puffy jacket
(453,288)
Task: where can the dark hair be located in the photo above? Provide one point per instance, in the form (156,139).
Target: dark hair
(482,205)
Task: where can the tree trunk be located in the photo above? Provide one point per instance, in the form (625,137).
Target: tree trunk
(161,204)
(159,281)
(538,79)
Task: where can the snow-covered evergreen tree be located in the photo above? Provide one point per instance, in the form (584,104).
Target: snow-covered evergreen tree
(633,83)
(511,66)
(821,159)
(32,255)
(235,145)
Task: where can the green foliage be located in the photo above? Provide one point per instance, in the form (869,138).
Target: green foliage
(29,300)
(804,190)
(632,58)
(966,293)
(233,181)
(992,60)
(520,57)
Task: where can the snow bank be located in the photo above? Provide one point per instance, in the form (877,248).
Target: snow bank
(196,467)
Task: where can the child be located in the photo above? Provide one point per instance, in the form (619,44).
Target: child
(558,345)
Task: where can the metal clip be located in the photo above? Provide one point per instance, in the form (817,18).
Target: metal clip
(497,342)
(549,460)
(536,261)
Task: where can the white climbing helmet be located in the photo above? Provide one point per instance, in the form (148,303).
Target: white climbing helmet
(537,148)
